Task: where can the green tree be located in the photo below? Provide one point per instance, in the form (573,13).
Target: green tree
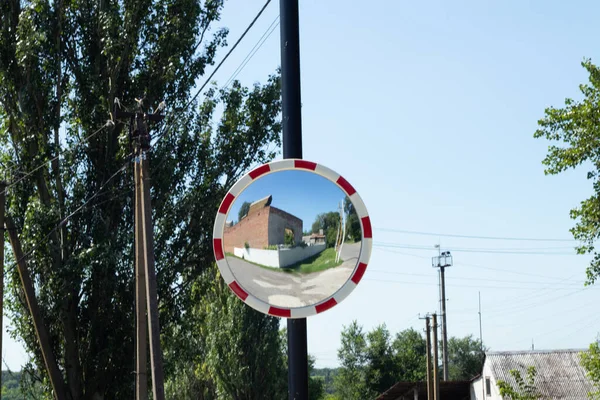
(327,375)
(410,356)
(524,388)
(329,222)
(575,132)
(316,384)
(590,360)
(465,358)
(351,381)
(235,351)
(244,208)
(381,371)
(243,345)
(353,227)
(289,238)
(63,64)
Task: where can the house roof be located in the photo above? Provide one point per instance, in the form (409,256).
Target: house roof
(559,374)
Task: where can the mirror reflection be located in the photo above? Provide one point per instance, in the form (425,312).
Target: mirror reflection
(292,238)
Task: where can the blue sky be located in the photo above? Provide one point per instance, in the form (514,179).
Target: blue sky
(300,193)
(429,109)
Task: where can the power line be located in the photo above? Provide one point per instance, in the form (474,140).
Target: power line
(537,283)
(477,266)
(472,250)
(474,236)
(81,142)
(268,32)
(174,113)
(464,286)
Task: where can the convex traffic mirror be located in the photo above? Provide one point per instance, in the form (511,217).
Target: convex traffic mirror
(292,238)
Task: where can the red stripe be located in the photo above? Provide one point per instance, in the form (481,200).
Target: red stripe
(360,271)
(325,306)
(367,231)
(218,249)
(346,186)
(280,312)
(237,289)
(263,169)
(305,164)
(226,203)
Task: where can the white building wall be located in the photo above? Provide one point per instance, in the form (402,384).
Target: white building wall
(269,258)
(278,258)
(478,386)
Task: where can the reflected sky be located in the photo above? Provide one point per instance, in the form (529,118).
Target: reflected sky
(300,193)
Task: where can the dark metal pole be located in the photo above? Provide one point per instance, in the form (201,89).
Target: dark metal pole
(290,79)
(292,148)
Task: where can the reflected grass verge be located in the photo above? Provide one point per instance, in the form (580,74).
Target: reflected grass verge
(319,262)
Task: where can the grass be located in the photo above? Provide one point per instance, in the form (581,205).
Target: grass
(319,262)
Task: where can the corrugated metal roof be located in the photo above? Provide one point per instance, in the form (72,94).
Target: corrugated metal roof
(559,372)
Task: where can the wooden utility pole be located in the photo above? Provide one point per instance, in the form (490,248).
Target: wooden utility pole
(428,345)
(141,385)
(436,375)
(156,361)
(2,209)
(146,292)
(56,379)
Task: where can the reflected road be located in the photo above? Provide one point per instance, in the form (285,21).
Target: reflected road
(282,289)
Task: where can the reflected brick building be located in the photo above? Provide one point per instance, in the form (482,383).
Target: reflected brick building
(263,226)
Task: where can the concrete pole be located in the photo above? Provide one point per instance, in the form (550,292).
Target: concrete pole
(141,391)
(436,375)
(158,389)
(428,345)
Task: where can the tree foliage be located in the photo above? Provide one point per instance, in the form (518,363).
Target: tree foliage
(465,358)
(236,352)
(575,133)
(351,382)
(524,388)
(372,362)
(410,356)
(62,66)
(353,228)
(590,360)
(329,222)
(244,208)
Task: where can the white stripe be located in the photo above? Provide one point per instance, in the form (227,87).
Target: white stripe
(359,206)
(303,312)
(240,185)
(257,304)
(344,291)
(365,251)
(219,226)
(327,173)
(281,165)
(225,271)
